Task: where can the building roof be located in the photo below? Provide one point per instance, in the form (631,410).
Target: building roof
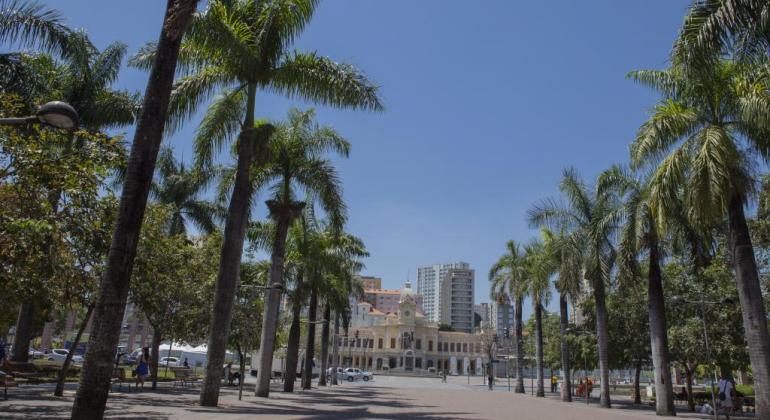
(383,291)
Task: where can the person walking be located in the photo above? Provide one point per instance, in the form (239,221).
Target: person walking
(185,364)
(143,367)
(725,394)
(554,383)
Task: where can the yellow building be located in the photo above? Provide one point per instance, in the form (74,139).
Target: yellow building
(407,342)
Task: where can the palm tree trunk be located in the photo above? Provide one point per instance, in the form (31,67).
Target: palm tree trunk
(688,384)
(23,335)
(752,305)
(230,259)
(91,397)
(283,215)
(335,348)
(325,344)
(664,390)
(637,391)
(307,375)
(539,347)
(519,345)
(602,341)
(566,387)
(65,367)
(292,346)
(155,356)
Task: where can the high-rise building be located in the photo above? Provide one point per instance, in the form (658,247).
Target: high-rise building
(429,280)
(502,315)
(482,309)
(457,299)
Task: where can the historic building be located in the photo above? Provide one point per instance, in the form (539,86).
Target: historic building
(406,341)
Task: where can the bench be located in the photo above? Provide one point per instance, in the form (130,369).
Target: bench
(9,381)
(184,375)
(119,376)
(23,370)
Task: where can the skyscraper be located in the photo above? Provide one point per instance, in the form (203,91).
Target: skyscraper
(429,279)
(457,299)
(502,315)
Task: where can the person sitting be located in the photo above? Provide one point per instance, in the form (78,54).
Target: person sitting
(682,395)
(232,376)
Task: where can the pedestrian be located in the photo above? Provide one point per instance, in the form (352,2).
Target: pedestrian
(554,383)
(185,364)
(443,375)
(725,394)
(143,367)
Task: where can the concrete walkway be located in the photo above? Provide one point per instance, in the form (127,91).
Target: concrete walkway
(383,398)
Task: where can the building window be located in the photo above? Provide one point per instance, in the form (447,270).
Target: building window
(446,347)
(438,346)
(379,343)
(358,342)
(458,347)
(418,344)
(452,347)
(371,343)
(465,347)
(393,343)
(430,345)
(478,347)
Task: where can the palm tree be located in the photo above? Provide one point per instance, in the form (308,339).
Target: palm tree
(180,188)
(83,79)
(711,26)
(508,277)
(566,258)
(640,232)
(539,266)
(91,397)
(331,280)
(589,220)
(295,163)
(237,48)
(700,141)
(30,24)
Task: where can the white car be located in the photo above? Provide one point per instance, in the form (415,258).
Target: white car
(169,361)
(353,374)
(36,354)
(58,355)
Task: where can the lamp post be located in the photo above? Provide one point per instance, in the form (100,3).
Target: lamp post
(56,114)
(702,302)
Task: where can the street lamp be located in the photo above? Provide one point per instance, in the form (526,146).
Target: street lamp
(702,302)
(56,114)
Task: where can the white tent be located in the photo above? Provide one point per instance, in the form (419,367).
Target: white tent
(196,356)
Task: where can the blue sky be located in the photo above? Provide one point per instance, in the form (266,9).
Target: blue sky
(486,102)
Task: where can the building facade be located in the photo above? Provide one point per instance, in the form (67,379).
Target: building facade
(482,310)
(406,341)
(429,279)
(502,315)
(457,299)
(371,282)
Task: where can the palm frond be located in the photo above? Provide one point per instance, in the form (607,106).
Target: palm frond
(221,123)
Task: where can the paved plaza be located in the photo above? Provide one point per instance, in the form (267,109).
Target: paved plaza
(387,397)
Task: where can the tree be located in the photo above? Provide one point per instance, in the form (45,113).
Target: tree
(83,79)
(247,313)
(640,233)
(295,164)
(696,142)
(508,276)
(588,219)
(237,48)
(30,24)
(165,280)
(539,266)
(91,397)
(180,189)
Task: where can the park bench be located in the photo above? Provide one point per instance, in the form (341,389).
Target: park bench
(23,370)
(184,375)
(119,376)
(9,381)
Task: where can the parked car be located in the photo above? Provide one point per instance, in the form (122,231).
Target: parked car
(350,374)
(169,361)
(36,354)
(58,355)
